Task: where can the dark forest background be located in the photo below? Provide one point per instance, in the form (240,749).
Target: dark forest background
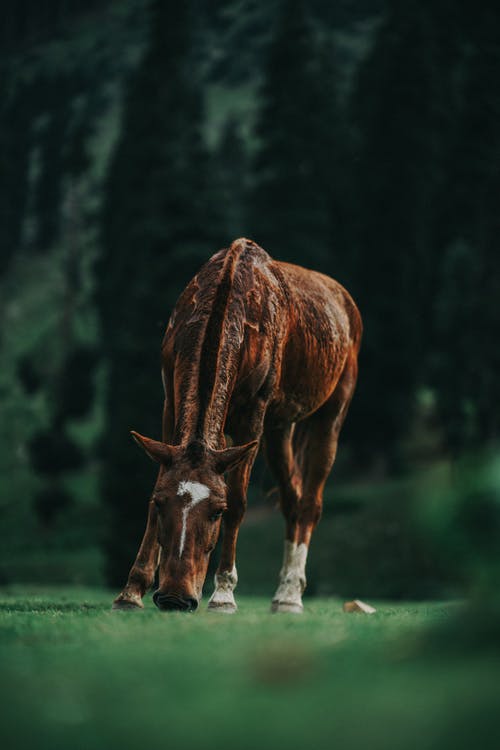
(360,138)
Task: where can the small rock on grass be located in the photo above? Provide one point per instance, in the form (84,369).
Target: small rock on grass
(358,606)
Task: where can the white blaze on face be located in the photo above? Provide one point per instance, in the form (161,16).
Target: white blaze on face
(197,492)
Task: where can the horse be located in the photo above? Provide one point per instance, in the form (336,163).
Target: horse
(256,351)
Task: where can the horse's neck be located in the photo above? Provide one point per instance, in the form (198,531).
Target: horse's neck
(203,398)
(209,370)
(207,426)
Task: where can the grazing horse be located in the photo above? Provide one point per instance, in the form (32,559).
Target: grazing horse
(261,351)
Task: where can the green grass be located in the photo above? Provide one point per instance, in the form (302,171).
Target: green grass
(76,675)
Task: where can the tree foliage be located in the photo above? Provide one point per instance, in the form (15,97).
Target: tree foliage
(466,364)
(360,139)
(294,171)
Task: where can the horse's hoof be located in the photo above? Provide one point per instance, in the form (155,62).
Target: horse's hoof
(226,608)
(288,607)
(127,602)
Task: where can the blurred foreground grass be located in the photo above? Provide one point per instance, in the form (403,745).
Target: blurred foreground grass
(76,675)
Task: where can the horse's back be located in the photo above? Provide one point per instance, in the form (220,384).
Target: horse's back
(263,324)
(323,329)
(267,291)
(320,302)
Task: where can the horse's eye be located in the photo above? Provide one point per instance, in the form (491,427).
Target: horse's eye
(215,515)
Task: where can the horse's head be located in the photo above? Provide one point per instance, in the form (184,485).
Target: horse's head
(189,499)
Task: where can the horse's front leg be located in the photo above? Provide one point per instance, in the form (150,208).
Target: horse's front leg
(226,577)
(143,570)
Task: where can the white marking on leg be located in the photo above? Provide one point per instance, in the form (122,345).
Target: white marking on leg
(198,492)
(223,597)
(292,575)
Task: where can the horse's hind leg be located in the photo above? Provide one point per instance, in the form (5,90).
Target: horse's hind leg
(314,449)
(281,461)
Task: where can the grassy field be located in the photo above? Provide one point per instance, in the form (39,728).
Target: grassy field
(76,675)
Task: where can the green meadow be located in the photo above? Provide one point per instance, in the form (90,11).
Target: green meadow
(77,675)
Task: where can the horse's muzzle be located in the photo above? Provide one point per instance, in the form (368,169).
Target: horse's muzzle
(174,602)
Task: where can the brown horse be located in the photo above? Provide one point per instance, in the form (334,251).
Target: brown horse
(257,350)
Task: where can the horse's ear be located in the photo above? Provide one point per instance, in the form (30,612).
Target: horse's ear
(161,452)
(229,458)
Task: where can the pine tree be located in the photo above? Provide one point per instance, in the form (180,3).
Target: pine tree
(466,362)
(294,174)
(230,178)
(16,113)
(399,138)
(157,227)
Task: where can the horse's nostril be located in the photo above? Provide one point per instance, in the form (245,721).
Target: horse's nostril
(174,602)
